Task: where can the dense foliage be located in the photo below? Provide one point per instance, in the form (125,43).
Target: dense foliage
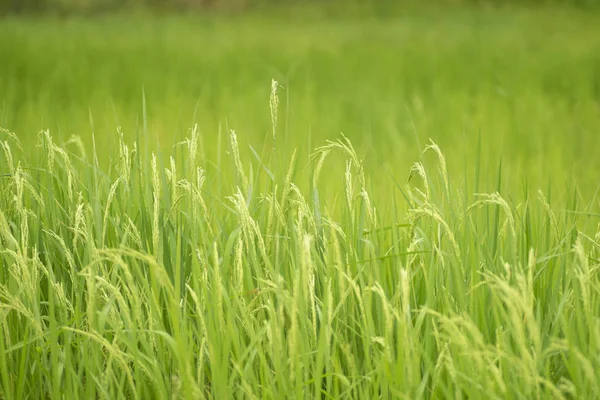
(262,254)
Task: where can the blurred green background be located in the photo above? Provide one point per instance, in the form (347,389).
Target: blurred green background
(524,81)
(95,6)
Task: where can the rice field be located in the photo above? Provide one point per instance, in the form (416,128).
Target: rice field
(301,204)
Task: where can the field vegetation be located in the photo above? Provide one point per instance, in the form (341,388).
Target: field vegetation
(275,206)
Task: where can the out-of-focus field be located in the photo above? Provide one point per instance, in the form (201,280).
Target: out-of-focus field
(525,81)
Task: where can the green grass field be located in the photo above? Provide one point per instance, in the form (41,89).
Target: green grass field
(412,211)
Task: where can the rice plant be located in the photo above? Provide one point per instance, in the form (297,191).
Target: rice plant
(153,278)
